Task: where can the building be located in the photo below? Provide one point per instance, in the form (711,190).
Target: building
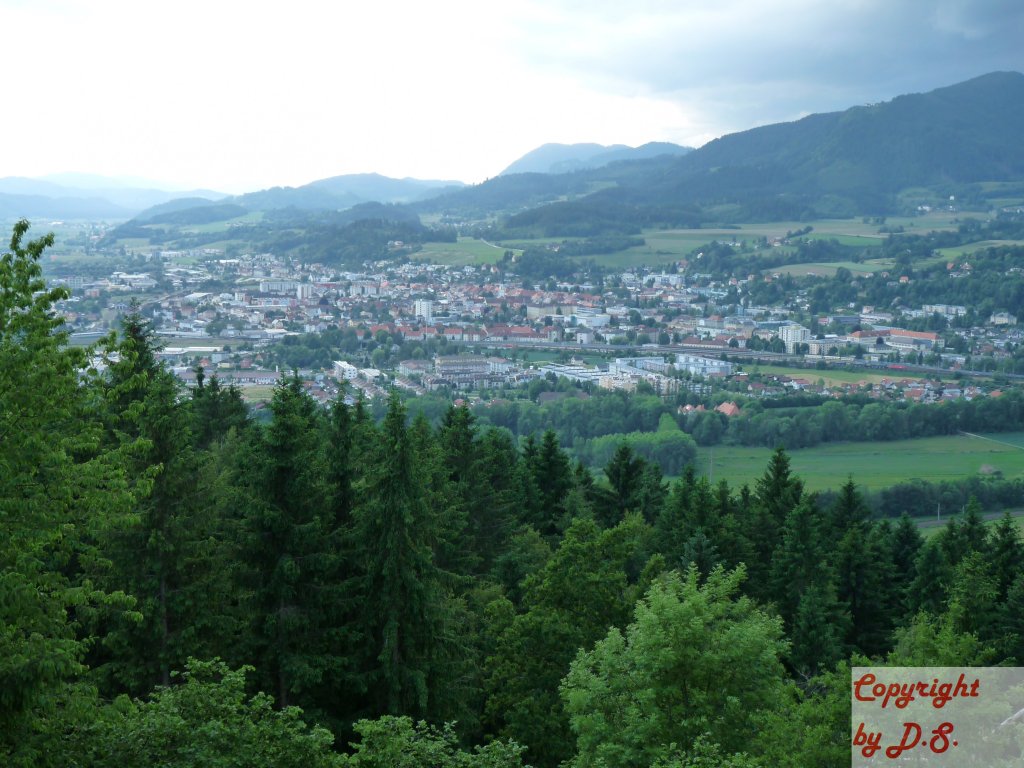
(424,309)
(792,335)
(463,372)
(343,370)
(702,366)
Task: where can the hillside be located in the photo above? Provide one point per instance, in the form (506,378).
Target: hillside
(859,161)
(332,194)
(566,158)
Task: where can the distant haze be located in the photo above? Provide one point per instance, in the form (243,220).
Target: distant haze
(238,96)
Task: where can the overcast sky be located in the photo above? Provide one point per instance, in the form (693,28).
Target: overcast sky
(238,96)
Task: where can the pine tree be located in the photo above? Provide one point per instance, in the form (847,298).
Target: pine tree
(865,586)
(412,642)
(1011,622)
(849,510)
(625,474)
(799,561)
(817,630)
(928,591)
(906,546)
(215,409)
(1007,554)
(293,558)
(554,477)
(777,493)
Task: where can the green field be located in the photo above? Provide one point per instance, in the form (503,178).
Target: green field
(831,376)
(663,246)
(829,269)
(965,250)
(467,250)
(875,465)
(253,217)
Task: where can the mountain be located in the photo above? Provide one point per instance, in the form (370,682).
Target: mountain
(337,193)
(877,159)
(566,158)
(340,192)
(74,196)
(16,206)
(960,134)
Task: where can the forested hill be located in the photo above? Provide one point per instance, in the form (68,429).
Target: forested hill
(843,163)
(566,158)
(182,585)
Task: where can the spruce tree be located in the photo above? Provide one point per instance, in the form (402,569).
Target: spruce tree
(412,643)
(293,558)
(1007,554)
(929,589)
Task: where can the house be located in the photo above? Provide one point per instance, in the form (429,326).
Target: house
(728,409)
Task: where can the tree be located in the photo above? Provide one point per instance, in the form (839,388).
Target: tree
(578,593)
(776,493)
(1007,554)
(57,485)
(293,558)
(695,660)
(624,473)
(397,743)
(554,478)
(207,720)
(411,638)
(928,591)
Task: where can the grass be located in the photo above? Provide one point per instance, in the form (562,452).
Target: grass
(969,248)
(252,217)
(468,250)
(257,393)
(829,269)
(832,376)
(875,465)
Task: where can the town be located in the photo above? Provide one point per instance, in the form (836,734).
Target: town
(472,329)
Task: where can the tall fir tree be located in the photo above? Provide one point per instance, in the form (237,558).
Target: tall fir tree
(777,493)
(413,649)
(293,558)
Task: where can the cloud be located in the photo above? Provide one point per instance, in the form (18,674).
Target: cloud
(245,94)
(746,62)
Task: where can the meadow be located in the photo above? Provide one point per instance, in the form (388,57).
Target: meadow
(874,465)
(466,251)
(832,376)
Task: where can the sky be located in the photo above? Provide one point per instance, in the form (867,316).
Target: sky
(238,96)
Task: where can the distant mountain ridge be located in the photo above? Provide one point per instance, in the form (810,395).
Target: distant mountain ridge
(50,198)
(336,193)
(855,162)
(566,158)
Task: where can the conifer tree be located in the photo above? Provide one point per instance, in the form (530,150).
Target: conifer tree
(412,644)
(293,559)
(928,591)
(777,493)
(1007,554)
(906,545)
(554,478)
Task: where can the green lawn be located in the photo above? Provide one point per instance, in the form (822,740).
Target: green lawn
(875,465)
(969,248)
(467,250)
(832,376)
(223,226)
